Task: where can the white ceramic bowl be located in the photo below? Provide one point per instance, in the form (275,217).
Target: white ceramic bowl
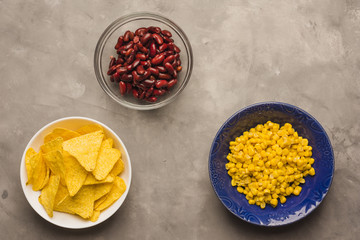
(63,219)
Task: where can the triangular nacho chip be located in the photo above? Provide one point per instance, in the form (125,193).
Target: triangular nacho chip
(54,160)
(115,193)
(47,197)
(75,174)
(85,148)
(106,160)
(89,129)
(65,134)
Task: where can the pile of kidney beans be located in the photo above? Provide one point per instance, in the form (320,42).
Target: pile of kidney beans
(148,63)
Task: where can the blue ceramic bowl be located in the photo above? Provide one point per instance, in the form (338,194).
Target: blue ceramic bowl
(313,190)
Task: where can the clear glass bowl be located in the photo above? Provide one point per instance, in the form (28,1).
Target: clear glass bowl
(105,49)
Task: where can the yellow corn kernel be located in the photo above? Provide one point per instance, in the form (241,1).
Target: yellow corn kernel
(274,202)
(297,190)
(282,199)
(289,190)
(312,172)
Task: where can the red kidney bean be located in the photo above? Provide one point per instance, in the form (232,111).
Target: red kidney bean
(112,78)
(129,51)
(122,86)
(162,47)
(169,59)
(152,99)
(112,70)
(158,92)
(166,33)
(161,69)
(128,87)
(126,77)
(158,39)
(121,70)
(112,61)
(135,63)
(144,63)
(169,68)
(153,29)
(141,31)
(135,93)
(141,56)
(120,60)
(161,83)
(141,86)
(168,53)
(127,36)
(164,76)
(119,42)
(136,48)
(148,82)
(154,71)
(129,45)
(116,76)
(179,68)
(136,77)
(143,49)
(171,83)
(152,49)
(140,69)
(167,39)
(157,59)
(146,74)
(149,92)
(176,48)
(144,39)
(136,39)
(142,94)
(174,65)
(130,59)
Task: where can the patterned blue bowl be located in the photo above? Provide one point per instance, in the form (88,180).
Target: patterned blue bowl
(313,190)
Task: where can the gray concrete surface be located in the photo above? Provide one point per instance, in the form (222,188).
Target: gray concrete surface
(305,53)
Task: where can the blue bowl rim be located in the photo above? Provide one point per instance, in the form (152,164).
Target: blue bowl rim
(255,105)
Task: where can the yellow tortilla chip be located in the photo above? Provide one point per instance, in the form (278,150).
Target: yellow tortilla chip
(65,134)
(47,197)
(85,148)
(118,168)
(98,202)
(106,160)
(52,145)
(89,129)
(115,193)
(61,194)
(75,174)
(29,169)
(41,172)
(81,204)
(101,190)
(91,180)
(95,216)
(54,160)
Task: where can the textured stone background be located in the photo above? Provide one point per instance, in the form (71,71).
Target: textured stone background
(302,52)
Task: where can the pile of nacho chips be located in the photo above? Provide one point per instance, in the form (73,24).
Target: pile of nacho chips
(76,171)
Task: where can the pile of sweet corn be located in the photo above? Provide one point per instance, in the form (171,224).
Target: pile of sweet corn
(269,162)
